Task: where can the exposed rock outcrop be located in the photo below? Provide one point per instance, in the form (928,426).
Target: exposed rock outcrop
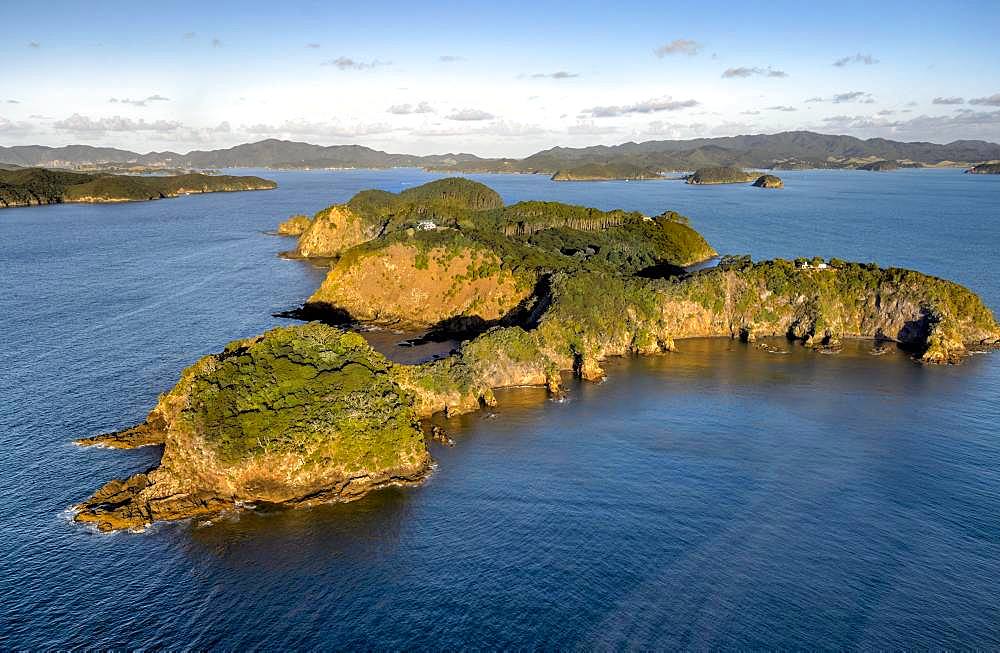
(295,225)
(769,181)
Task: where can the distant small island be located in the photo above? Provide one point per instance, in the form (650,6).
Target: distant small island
(769,181)
(721,175)
(984,169)
(38,186)
(606,172)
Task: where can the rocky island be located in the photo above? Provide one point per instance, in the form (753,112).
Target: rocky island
(769,181)
(38,186)
(311,413)
(606,172)
(721,175)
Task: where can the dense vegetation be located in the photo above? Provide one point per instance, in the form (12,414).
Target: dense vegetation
(605,171)
(34,186)
(721,175)
(533,235)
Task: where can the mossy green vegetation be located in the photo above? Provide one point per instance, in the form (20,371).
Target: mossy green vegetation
(606,172)
(311,391)
(34,186)
(721,175)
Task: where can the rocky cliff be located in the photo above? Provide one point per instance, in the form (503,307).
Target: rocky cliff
(295,225)
(298,415)
(420,279)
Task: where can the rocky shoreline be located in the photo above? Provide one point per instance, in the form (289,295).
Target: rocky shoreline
(311,413)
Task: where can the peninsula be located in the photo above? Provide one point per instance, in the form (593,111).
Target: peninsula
(311,413)
(37,186)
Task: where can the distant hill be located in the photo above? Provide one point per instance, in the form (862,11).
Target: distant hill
(785,150)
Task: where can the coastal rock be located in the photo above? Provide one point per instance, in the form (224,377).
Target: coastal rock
(297,415)
(137,436)
(769,181)
(295,225)
(334,230)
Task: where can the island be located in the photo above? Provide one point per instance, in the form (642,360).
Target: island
(985,169)
(537,290)
(721,175)
(38,186)
(769,181)
(295,225)
(880,166)
(606,172)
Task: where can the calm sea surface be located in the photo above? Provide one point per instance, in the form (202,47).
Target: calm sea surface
(717,497)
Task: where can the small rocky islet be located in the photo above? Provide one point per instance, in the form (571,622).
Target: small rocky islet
(311,413)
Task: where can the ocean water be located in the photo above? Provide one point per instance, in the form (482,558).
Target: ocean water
(719,497)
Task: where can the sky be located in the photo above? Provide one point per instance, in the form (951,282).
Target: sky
(496,79)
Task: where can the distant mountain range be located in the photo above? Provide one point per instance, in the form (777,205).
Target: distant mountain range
(786,150)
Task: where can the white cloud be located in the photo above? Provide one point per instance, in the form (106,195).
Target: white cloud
(991,101)
(865,59)
(947,100)
(647,106)
(467,115)
(347,63)
(743,71)
(79,124)
(408,109)
(559,74)
(678,46)
(140,103)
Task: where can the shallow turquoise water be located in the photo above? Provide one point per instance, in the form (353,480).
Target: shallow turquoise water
(718,497)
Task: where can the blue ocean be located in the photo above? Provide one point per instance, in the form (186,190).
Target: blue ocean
(717,497)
